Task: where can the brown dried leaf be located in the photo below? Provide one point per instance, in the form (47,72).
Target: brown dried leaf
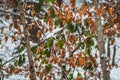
(37,73)
(80,12)
(102,8)
(72,2)
(98,13)
(13,38)
(91,73)
(56,11)
(60,16)
(10,26)
(55,59)
(112,41)
(82,61)
(33,12)
(7,17)
(50,22)
(111,10)
(79,78)
(2,29)
(38,50)
(96,56)
(19,29)
(16,71)
(68,17)
(6,38)
(116,65)
(38,34)
(113,19)
(63,22)
(99,75)
(49,11)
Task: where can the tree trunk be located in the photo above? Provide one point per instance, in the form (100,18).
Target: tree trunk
(101,46)
(30,58)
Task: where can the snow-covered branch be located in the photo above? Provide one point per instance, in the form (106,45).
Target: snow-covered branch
(17,14)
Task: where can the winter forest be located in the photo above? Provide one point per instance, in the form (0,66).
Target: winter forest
(59,39)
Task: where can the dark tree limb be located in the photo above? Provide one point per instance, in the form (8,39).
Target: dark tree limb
(113,58)
(108,48)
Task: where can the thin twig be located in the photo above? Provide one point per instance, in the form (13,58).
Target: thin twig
(63,72)
(17,14)
(113,58)
(108,48)
(10,60)
(72,53)
(78,33)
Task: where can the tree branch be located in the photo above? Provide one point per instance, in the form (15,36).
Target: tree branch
(17,14)
(10,60)
(113,58)
(30,57)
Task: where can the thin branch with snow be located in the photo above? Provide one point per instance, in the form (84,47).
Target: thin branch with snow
(17,14)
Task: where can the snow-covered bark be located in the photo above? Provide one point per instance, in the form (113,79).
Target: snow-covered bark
(101,45)
(27,43)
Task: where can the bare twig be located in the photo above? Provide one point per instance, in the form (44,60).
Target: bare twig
(64,76)
(108,47)
(72,53)
(113,58)
(17,14)
(78,33)
(10,60)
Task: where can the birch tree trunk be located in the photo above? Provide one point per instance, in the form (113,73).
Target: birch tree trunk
(30,57)
(101,46)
